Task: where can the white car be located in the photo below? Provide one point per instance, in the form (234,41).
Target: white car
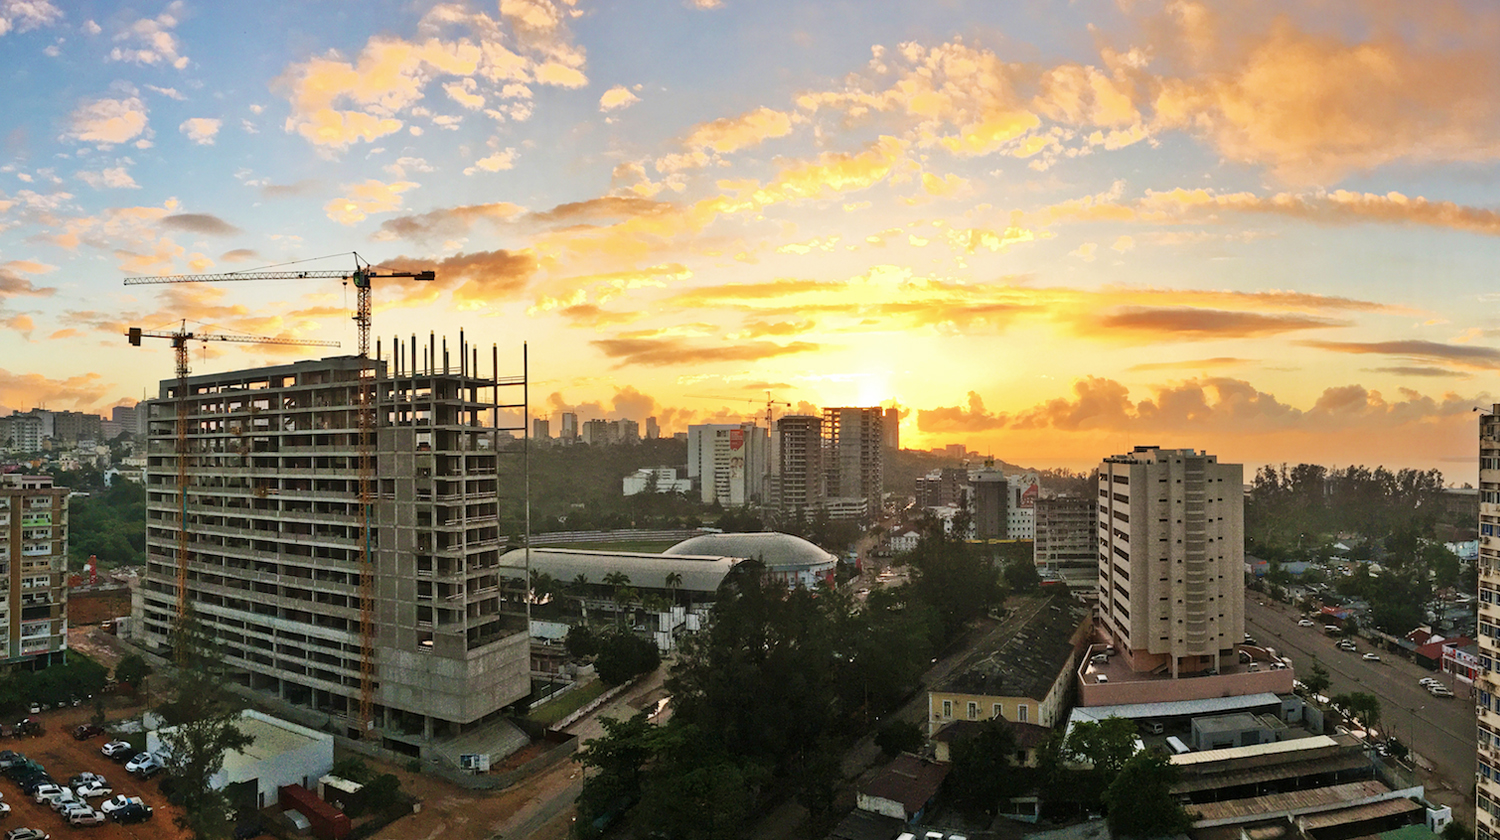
(85,816)
(1371,657)
(140,763)
(118,801)
(60,801)
(1439,690)
(1428,682)
(45,792)
(93,789)
(1306,622)
(115,749)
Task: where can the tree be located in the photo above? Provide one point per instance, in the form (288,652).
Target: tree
(1022,576)
(1140,799)
(1105,744)
(580,588)
(899,736)
(1317,681)
(982,773)
(581,642)
(623,656)
(618,759)
(203,730)
(674,583)
(132,670)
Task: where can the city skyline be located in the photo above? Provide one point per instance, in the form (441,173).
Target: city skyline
(1257,229)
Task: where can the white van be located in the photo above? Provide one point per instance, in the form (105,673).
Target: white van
(1176,745)
(1155,727)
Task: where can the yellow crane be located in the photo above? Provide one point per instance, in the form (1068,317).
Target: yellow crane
(180,340)
(362,276)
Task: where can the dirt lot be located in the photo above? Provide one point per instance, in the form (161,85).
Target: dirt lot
(64,757)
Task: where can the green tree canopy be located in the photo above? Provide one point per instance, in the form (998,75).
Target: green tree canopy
(1140,799)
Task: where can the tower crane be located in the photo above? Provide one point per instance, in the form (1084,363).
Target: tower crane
(180,340)
(771,404)
(363,276)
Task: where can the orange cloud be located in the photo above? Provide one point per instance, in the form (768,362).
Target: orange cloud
(363,199)
(477,278)
(1465,355)
(1180,323)
(665,352)
(956,419)
(22,391)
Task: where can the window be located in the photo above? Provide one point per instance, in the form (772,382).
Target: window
(1021,713)
(947,708)
(973,710)
(996,715)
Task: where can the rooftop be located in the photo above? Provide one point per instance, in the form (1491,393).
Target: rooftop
(646,571)
(1021,656)
(1297,801)
(779,552)
(909,780)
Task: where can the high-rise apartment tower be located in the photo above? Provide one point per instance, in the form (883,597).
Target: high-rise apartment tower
(853,457)
(1486,688)
(1171,558)
(33,567)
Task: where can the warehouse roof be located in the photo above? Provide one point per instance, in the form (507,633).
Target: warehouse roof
(1023,655)
(699,573)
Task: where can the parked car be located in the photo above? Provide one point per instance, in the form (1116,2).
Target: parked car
(85,778)
(1306,622)
(119,801)
(85,817)
(9,757)
(118,750)
(93,790)
(1428,682)
(141,762)
(149,769)
(1371,657)
(1439,690)
(26,834)
(60,802)
(87,731)
(138,812)
(47,790)
(30,784)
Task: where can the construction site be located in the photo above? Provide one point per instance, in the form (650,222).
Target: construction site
(335,526)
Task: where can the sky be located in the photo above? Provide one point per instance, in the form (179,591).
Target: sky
(1049,230)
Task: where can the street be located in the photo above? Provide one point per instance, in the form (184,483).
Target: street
(1440,730)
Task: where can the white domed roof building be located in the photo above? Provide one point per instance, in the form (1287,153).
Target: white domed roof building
(792,560)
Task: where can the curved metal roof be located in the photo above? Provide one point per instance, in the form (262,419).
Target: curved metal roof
(699,573)
(779,552)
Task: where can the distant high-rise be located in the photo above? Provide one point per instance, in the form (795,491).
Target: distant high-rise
(598,432)
(854,461)
(729,462)
(800,462)
(569,431)
(1067,540)
(890,428)
(1487,705)
(990,502)
(653,431)
(627,431)
(1171,559)
(33,558)
(540,429)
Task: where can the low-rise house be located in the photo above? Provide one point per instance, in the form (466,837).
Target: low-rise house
(904,789)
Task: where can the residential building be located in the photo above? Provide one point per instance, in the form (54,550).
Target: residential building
(941,487)
(653,429)
(1067,543)
(569,426)
(1486,687)
(656,480)
(33,567)
(541,429)
(800,462)
(989,502)
(1022,491)
(1021,671)
(729,462)
(627,431)
(599,433)
(278,549)
(957,451)
(890,429)
(1171,559)
(854,460)
(25,432)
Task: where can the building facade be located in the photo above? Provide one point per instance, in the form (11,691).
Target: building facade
(275,552)
(33,567)
(729,462)
(1486,687)
(800,462)
(1171,559)
(1067,542)
(854,458)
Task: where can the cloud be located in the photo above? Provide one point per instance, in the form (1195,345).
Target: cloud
(1196,324)
(1193,364)
(12,284)
(1123,244)
(116,177)
(20,391)
(707,4)
(150,41)
(239,255)
(200,130)
(1418,370)
(600,209)
(1464,355)
(482,277)
(449,221)
(26,15)
(363,199)
(974,418)
(616,98)
(199,223)
(732,134)
(670,351)
(590,315)
(494,163)
(109,121)
(297,188)
(482,62)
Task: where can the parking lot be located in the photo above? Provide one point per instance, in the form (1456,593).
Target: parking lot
(64,757)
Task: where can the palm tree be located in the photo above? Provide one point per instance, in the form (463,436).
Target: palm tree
(580,588)
(674,582)
(619,580)
(625,597)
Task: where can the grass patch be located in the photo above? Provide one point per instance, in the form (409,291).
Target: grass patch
(644,546)
(555,710)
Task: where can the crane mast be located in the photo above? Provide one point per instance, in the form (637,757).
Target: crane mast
(365,399)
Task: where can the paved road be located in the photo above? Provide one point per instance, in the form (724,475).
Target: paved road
(1441,730)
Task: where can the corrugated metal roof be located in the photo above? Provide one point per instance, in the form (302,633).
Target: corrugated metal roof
(1231,753)
(1296,800)
(1175,708)
(647,571)
(1358,814)
(1256,775)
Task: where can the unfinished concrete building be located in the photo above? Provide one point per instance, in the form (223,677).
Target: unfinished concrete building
(275,557)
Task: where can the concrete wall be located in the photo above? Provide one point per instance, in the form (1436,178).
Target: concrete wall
(1187,688)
